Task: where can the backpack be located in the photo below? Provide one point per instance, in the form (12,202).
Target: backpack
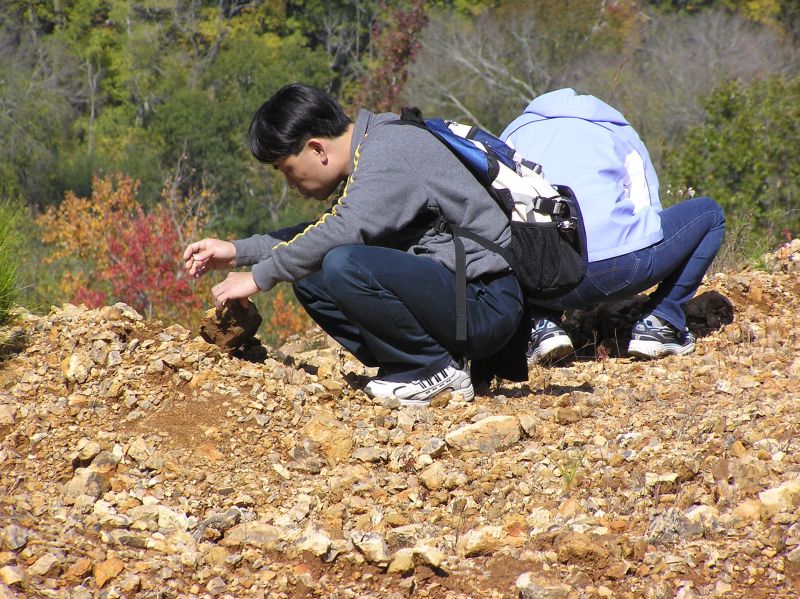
(547,251)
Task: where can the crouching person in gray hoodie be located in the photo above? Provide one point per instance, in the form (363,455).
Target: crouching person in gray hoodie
(373,271)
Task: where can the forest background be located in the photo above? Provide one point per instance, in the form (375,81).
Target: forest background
(123,122)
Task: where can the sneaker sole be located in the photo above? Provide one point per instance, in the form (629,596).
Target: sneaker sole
(468,394)
(551,350)
(655,349)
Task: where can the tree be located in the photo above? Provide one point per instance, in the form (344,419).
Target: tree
(680,60)
(118,251)
(395,42)
(746,154)
(487,69)
(36,112)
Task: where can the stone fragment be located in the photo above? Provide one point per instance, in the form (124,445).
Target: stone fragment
(480,541)
(402,561)
(254,533)
(15,537)
(672,526)
(43,565)
(528,424)
(216,585)
(87,450)
(131,583)
(76,368)
(125,311)
(11,575)
(231,327)
(531,586)
(748,511)
(85,482)
(429,555)
(705,516)
(314,540)
(7,414)
(373,546)
(433,447)
(783,498)
(139,450)
(577,547)
(166,518)
(618,570)
(567,415)
(372,455)
(433,477)
(491,434)
(217,556)
(335,439)
(105,571)
(79,568)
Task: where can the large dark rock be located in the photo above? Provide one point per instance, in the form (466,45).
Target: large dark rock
(232,327)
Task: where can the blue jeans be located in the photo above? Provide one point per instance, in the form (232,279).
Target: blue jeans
(397,311)
(693,232)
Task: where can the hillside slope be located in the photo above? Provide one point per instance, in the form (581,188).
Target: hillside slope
(140,461)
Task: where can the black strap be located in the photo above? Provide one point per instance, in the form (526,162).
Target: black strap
(461,291)
(461,270)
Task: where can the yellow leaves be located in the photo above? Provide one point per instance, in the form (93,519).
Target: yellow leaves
(760,11)
(114,250)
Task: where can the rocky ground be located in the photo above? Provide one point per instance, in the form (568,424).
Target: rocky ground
(141,461)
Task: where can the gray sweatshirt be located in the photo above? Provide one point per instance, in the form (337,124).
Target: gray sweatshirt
(401,179)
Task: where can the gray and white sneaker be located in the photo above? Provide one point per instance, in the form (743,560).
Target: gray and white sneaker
(549,342)
(652,338)
(455,377)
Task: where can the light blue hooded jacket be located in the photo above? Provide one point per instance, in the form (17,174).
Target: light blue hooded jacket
(587,145)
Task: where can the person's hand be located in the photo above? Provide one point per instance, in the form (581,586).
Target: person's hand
(236,286)
(208,254)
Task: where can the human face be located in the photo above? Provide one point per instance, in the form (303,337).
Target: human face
(310,171)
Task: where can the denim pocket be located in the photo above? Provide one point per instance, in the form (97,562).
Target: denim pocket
(615,274)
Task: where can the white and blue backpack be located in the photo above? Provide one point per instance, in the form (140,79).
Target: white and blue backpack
(547,251)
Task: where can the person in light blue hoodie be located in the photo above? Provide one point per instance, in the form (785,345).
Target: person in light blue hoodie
(633,243)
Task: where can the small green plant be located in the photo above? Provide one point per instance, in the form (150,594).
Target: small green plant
(9,242)
(569,468)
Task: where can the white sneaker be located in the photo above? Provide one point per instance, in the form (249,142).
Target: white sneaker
(652,338)
(549,343)
(455,377)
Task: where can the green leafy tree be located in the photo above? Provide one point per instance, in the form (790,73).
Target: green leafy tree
(747,154)
(38,79)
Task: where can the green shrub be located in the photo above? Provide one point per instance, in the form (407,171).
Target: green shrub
(745,156)
(9,242)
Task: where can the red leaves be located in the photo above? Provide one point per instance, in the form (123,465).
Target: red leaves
(143,270)
(117,251)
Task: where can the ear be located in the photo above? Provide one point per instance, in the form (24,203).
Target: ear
(318,148)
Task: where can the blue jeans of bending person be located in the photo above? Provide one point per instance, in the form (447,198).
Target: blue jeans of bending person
(397,311)
(693,232)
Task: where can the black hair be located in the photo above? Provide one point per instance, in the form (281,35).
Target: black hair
(293,115)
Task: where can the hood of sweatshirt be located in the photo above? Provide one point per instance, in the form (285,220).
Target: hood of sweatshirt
(566,103)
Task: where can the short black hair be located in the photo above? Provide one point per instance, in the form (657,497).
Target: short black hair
(293,115)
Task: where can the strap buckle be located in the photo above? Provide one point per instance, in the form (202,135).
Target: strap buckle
(441,224)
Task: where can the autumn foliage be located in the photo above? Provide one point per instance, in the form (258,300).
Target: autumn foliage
(396,41)
(115,250)
(285,317)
